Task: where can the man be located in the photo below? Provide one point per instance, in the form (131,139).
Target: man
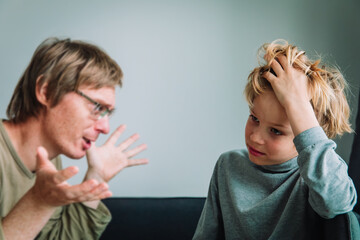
(60,106)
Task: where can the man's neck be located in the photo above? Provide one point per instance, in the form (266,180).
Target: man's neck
(26,137)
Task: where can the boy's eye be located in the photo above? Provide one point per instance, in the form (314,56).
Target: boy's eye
(254,118)
(275,131)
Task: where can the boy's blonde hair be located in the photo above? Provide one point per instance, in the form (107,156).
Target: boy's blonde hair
(64,65)
(326,86)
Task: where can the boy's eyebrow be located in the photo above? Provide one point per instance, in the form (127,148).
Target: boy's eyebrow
(251,110)
(277,125)
(270,123)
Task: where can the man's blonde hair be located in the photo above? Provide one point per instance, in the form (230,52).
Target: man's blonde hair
(64,65)
(326,85)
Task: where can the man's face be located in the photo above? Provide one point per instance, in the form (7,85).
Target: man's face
(268,134)
(70,127)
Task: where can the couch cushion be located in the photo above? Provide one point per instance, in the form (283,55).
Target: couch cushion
(153,218)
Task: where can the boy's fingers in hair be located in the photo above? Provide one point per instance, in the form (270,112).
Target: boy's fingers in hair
(269,76)
(267,57)
(283,61)
(275,65)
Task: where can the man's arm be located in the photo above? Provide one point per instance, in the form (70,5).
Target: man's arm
(50,190)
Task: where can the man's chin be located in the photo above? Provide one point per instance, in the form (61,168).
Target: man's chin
(77,155)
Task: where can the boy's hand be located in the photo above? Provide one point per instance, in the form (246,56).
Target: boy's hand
(291,89)
(290,85)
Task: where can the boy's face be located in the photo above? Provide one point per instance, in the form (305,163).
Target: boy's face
(70,129)
(268,134)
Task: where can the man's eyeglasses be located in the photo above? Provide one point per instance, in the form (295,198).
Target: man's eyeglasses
(99,110)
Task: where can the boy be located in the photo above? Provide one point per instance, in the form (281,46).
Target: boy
(290,171)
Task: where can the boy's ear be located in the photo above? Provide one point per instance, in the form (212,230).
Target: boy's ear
(41,91)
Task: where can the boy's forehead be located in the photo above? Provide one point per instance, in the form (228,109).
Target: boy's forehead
(267,107)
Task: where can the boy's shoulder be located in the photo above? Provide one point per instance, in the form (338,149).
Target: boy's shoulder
(234,154)
(233,158)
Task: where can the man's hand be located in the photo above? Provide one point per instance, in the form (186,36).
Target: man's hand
(109,159)
(33,210)
(51,187)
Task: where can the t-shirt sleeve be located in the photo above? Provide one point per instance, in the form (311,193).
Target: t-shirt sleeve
(331,190)
(76,221)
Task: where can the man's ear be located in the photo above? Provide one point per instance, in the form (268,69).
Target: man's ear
(41,91)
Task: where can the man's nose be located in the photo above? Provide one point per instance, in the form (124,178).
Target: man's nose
(102,125)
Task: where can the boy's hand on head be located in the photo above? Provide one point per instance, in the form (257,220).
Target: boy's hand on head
(52,190)
(291,89)
(109,159)
(290,85)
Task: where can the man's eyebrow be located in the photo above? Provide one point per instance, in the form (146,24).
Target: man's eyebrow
(99,101)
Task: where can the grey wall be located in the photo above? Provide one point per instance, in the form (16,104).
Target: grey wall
(185,65)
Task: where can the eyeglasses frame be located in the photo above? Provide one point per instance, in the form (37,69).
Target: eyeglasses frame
(107,111)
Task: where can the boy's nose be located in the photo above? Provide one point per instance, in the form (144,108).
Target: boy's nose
(256,136)
(102,125)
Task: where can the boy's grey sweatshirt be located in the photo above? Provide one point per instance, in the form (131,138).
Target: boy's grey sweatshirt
(248,201)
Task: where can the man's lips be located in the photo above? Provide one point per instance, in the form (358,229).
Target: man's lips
(86,143)
(255,152)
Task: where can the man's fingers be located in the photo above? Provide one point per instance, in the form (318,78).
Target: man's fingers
(136,162)
(65,174)
(88,191)
(116,134)
(42,157)
(136,150)
(42,160)
(124,145)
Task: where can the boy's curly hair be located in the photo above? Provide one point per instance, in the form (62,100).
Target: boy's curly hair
(326,85)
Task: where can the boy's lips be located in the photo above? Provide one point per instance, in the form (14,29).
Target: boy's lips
(255,152)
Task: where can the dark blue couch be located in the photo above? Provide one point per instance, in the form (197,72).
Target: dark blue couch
(176,219)
(152,218)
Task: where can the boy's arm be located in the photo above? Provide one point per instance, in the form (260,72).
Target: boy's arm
(331,191)
(210,225)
